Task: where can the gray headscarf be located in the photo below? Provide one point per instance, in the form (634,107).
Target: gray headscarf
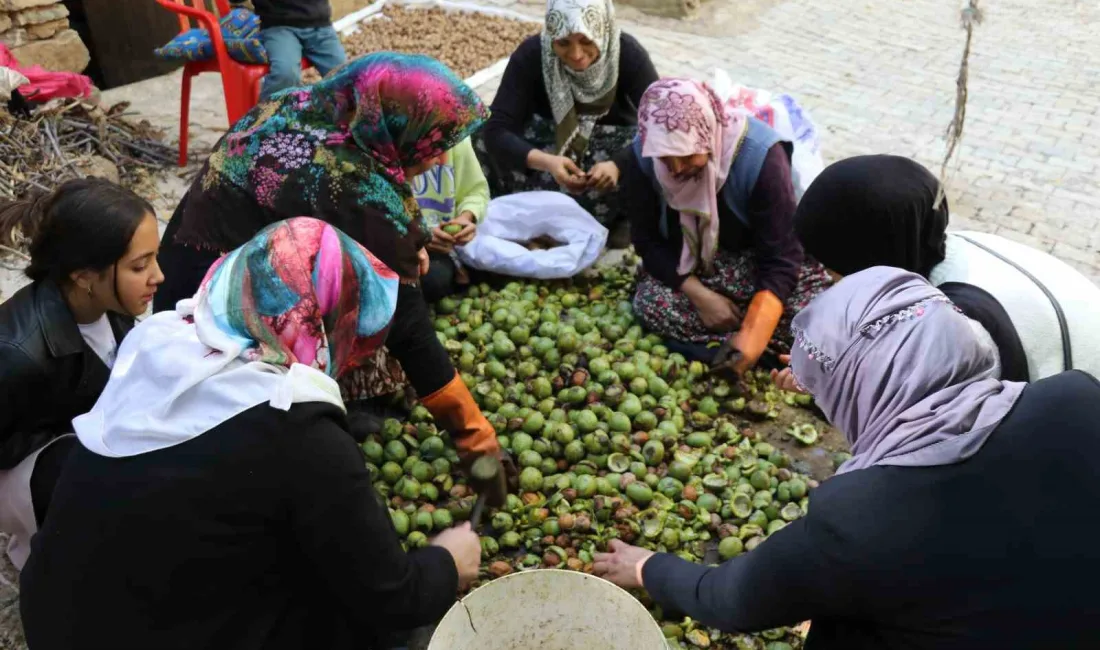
(896,367)
(579,99)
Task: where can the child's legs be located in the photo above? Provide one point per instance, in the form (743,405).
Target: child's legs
(284,51)
(323,48)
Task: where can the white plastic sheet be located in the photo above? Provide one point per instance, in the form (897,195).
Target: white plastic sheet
(785,115)
(516,219)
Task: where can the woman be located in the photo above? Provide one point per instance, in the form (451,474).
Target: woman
(218,499)
(93,265)
(453,192)
(882,210)
(344,151)
(941,531)
(711,202)
(566,111)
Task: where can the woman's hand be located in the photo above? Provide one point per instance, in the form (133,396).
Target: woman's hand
(564,170)
(441,242)
(424,260)
(784,379)
(623,565)
(465,549)
(469,228)
(717,312)
(604,176)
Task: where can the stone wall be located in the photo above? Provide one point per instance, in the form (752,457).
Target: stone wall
(37,33)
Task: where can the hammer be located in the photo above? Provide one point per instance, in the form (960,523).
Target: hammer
(485,471)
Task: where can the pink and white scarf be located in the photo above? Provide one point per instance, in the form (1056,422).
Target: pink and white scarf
(683,117)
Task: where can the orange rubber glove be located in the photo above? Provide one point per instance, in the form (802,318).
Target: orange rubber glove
(455,410)
(757,328)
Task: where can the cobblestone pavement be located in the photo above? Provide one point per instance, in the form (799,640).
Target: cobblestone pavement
(879,77)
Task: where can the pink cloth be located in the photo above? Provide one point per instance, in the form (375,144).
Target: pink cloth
(683,117)
(45,85)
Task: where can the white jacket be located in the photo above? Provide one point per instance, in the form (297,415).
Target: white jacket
(990,263)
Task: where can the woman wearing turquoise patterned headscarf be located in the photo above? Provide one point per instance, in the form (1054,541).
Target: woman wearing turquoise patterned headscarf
(216,498)
(344,151)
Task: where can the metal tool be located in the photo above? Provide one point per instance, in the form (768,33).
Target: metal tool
(485,471)
(726,360)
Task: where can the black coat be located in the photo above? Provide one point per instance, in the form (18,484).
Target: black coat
(264,533)
(996,552)
(48,374)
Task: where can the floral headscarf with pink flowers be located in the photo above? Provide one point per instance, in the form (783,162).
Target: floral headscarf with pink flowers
(683,117)
(336,151)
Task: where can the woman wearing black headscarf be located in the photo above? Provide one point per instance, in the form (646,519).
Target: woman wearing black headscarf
(869,211)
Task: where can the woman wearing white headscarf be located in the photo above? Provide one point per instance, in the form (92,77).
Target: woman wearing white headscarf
(965,505)
(567,110)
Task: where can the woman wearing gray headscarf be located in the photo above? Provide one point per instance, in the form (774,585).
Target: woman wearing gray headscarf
(567,110)
(964,508)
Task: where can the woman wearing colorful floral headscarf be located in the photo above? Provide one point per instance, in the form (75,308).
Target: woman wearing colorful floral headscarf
(217,498)
(344,151)
(567,109)
(966,504)
(709,193)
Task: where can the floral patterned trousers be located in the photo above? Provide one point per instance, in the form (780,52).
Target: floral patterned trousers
(671,314)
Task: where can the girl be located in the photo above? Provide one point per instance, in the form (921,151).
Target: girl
(93,249)
(453,192)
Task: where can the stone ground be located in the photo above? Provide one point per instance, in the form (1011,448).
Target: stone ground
(878,77)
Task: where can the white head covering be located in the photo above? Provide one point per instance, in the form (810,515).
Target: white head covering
(275,321)
(167,387)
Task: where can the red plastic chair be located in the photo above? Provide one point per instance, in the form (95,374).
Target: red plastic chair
(240,81)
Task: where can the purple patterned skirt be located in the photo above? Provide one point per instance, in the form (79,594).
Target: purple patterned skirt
(670,313)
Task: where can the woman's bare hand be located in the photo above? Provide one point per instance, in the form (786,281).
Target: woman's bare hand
(622,565)
(465,549)
(784,379)
(604,176)
(469,228)
(441,242)
(424,260)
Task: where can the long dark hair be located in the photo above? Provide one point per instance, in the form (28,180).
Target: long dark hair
(85,224)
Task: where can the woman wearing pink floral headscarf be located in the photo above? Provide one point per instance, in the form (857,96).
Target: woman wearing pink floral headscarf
(711,201)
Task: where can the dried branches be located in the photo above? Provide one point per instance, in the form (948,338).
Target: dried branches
(970,17)
(51,146)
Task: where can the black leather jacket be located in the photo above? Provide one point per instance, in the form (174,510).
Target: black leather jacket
(48,374)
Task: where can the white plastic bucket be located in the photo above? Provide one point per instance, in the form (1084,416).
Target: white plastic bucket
(548,609)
